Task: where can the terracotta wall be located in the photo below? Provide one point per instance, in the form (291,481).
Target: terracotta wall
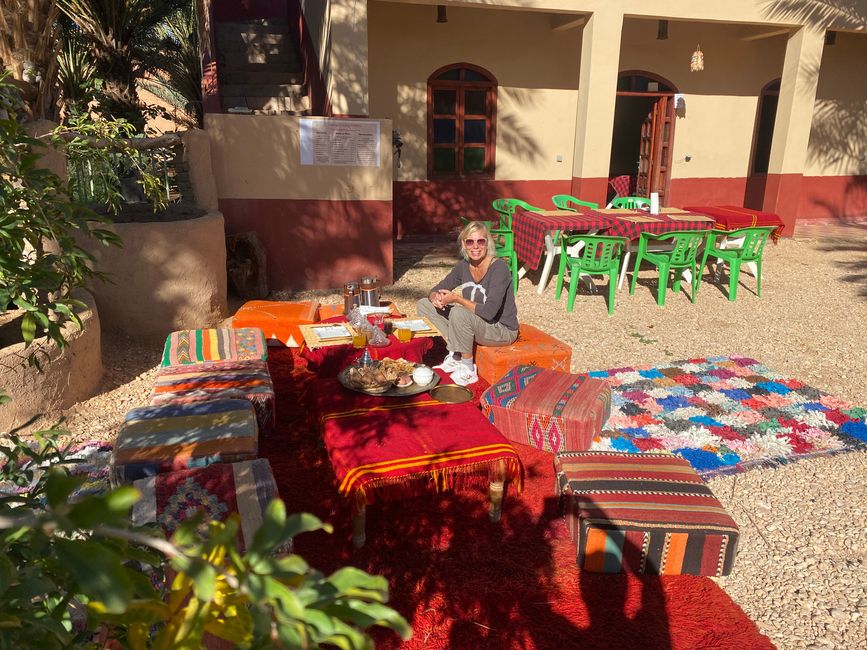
(320,225)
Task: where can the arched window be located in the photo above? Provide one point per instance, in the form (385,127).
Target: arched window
(461,122)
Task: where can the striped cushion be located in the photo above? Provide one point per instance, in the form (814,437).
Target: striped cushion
(155,439)
(248,380)
(217,490)
(186,347)
(550,410)
(644,513)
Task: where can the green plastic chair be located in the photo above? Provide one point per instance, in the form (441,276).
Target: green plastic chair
(504,237)
(750,249)
(630,202)
(681,257)
(598,255)
(562,201)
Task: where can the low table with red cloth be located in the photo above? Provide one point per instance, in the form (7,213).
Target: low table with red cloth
(550,410)
(530,228)
(330,360)
(628,223)
(392,448)
(643,513)
(732,217)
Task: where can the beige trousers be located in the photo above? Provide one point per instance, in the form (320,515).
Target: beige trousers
(461,328)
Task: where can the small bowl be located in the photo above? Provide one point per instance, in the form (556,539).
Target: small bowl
(422,375)
(403,381)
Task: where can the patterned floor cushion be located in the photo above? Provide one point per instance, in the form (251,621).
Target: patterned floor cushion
(189,347)
(533,347)
(157,439)
(547,409)
(278,321)
(218,490)
(643,513)
(248,380)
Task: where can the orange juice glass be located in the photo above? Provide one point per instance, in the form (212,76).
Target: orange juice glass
(359,339)
(404,335)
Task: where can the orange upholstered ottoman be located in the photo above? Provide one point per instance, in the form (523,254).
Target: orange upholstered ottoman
(533,348)
(279,321)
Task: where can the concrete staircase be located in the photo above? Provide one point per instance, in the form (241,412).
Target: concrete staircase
(259,70)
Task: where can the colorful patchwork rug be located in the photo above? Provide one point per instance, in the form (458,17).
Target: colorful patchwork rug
(725,415)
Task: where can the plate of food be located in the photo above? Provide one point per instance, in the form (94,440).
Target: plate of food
(389,378)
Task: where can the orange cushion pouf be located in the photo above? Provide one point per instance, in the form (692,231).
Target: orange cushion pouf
(278,320)
(533,347)
(330,311)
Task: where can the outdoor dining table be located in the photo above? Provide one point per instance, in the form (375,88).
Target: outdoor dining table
(393,448)
(732,217)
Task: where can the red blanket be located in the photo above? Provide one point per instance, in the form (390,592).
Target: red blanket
(732,217)
(401,447)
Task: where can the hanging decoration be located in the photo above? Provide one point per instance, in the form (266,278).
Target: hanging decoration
(696,63)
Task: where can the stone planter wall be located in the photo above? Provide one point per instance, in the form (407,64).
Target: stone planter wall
(72,374)
(167,276)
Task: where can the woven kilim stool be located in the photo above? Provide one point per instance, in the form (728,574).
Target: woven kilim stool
(249,380)
(216,490)
(643,513)
(547,409)
(157,439)
(278,321)
(190,347)
(533,347)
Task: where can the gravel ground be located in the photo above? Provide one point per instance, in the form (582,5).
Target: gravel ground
(802,566)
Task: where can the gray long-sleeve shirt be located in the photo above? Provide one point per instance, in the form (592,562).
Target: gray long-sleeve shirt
(494,298)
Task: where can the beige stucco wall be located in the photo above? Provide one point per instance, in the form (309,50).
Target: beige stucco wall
(536,70)
(69,375)
(838,140)
(259,157)
(167,276)
(721,101)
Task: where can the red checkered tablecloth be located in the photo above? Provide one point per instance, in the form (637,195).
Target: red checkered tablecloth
(631,223)
(530,229)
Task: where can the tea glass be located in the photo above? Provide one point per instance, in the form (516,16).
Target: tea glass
(359,339)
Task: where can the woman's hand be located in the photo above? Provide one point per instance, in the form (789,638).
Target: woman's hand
(435,298)
(450,297)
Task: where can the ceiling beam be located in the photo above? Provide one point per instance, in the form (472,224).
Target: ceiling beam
(768,33)
(562,22)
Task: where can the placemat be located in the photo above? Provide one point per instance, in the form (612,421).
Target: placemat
(312,339)
(641,219)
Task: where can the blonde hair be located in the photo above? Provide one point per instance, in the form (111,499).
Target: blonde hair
(482,228)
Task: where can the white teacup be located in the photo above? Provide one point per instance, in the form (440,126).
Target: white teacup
(422,375)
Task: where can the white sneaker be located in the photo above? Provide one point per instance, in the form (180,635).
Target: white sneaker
(449,364)
(465,375)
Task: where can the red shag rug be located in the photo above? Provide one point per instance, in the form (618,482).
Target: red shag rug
(464,582)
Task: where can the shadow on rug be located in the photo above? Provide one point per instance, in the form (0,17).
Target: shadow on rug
(725,415)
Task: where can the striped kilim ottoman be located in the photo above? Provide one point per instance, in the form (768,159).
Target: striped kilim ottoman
(157,439)
(643,513)
(249,380)
(188,347)
(278,321)
(533,347)
(550,410)
(216,490)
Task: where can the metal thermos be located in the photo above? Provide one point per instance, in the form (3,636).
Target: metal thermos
(351,296)
(370,291)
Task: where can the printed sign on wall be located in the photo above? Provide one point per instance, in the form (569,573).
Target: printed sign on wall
(340,142)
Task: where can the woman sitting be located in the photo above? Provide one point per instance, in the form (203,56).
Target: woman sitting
(473,303)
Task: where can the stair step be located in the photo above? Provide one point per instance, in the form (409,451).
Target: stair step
(245,38)
(267,103)
(238,59)
(255,47)
(263,90)
(259,24)
(277,75)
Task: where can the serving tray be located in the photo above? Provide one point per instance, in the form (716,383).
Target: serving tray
(394,391)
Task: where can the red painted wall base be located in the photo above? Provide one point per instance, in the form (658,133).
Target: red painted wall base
(833,197)
(427,207)
(590,189)
(317,244)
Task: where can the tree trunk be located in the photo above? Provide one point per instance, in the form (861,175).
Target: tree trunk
(120,88)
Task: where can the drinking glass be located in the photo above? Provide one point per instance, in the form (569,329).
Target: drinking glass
(359,339)
(404,334)
(379,321)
